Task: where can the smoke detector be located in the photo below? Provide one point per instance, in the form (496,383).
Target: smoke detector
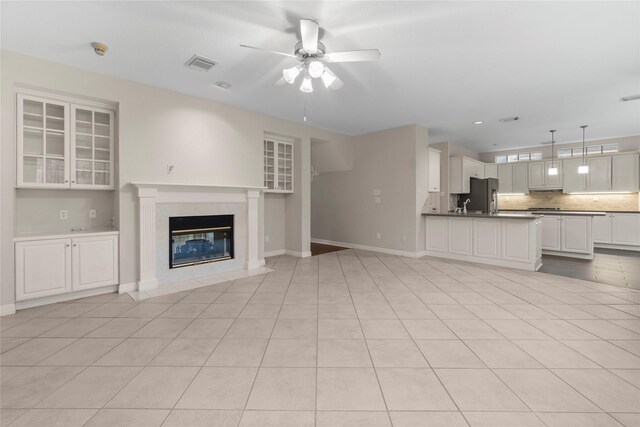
(222,85)
(99,48)
(200,63)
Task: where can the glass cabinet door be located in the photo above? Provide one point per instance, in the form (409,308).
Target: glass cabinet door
(269,164)
(42,143)
(93,155)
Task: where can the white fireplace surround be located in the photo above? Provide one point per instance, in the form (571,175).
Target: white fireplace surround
(152,194)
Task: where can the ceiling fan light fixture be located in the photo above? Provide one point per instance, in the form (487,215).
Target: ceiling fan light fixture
(328,77)
(306,86)
(316,68)
(291,74)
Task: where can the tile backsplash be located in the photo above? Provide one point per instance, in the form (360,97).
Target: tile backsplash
(593,202)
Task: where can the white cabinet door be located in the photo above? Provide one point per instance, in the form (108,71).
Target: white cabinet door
(491,170)
(95,262)
(92,148)
(576,234)
(625,172)
(537,174)
(515,240)
(551,233)
(553,181)
(599,176)
(437,234)
(474,169)
(43,268)
(572,181)
(460,236)
(486,238)
(625,229)
(602,229)
(278,166)
(434,170)
(520,178)
(505,178)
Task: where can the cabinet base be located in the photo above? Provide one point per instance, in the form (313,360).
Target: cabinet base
(491,261)
(567,254)
(65,297)
(619,247)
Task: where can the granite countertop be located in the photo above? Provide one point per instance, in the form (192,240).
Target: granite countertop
(571,212)
(37,235)
(524,215)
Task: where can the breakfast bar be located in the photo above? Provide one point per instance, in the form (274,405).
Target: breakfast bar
(504,239)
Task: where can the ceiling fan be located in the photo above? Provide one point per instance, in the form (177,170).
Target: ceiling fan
(313,57)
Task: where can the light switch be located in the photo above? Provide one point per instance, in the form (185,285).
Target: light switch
(377,192)
(92,213)
(64,214)
(378,200)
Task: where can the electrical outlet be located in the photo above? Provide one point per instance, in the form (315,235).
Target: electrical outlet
(376,192)
(377,235)
(377,200)
(92,213)
(595,198)
(64,214)
(266,238)
(404,238)
(170,169)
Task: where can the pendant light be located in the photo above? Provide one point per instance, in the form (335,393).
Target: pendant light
(583,168)
(553,170)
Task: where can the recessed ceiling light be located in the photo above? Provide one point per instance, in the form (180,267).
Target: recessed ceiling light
(630,98)
(223,85)
(509,119)
(478,122)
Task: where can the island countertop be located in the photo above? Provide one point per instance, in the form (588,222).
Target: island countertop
(568,212)
(502,215)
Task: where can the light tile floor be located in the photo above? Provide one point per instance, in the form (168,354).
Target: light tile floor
(349,338)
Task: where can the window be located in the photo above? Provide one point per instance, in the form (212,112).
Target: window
(521,157)
(610,148)
(564,153)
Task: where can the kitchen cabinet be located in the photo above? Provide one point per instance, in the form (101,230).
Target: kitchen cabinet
(278,166)
(487,238)
(461,170)
(520,178)
(437,236)
(625,229)
(602,228)
(625,172)
(539,178)
(517,239)
(537,175)
(491,170)
(567,235)
(573,182)
(60,265)
(599,176)
(505,178)
(460,236)
(434,170)
(61,145)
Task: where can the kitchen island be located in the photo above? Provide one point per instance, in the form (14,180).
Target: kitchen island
(504,239)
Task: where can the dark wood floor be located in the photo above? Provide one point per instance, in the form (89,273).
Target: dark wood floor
(614,267)
(319,249)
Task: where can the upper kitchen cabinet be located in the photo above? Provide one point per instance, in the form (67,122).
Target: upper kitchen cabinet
(61,145)
(539,178)
(461,170)
(625,172)
(599,176)
(43,143)
(491,170)
(573,182)
(434,170)
(513,178)
(278,166)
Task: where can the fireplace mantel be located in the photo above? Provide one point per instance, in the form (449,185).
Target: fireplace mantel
(151,194)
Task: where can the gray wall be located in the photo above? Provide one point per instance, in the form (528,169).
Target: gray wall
(274,226)
(343,207)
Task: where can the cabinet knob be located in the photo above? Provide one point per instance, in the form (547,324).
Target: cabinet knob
(67,245)
(74,245)
(66,181)
(73,182)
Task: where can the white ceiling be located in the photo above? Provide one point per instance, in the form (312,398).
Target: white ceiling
(444,64)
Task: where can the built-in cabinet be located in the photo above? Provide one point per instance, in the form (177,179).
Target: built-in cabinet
(513,178)
(491,170)
(620,230)
(434,170)
(625,172)
(59,265)
(616,173)
(539,178)
(278,166)
(567,235)
(573,181)
(62,145)
(461,170)
(599,176)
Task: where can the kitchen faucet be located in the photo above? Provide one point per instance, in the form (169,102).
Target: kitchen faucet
(464,206)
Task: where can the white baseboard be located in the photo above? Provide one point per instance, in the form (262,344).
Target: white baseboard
(371,248)
(7,309)
(127,287)
(567,254)
(620,247)
(252,265)
(529,266)
(145,285)
(277,252)
(65,297)
(297,254)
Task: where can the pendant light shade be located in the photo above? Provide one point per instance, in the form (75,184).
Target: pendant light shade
(583,168)
(553,169)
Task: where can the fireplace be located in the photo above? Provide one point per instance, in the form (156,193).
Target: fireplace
(200,239)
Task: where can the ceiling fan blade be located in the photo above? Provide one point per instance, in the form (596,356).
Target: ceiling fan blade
(281,82)
(353,56)
(269,51)
(309,33)
(337,84)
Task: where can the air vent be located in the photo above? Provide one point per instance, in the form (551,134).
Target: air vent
(200,63)
(509,119)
